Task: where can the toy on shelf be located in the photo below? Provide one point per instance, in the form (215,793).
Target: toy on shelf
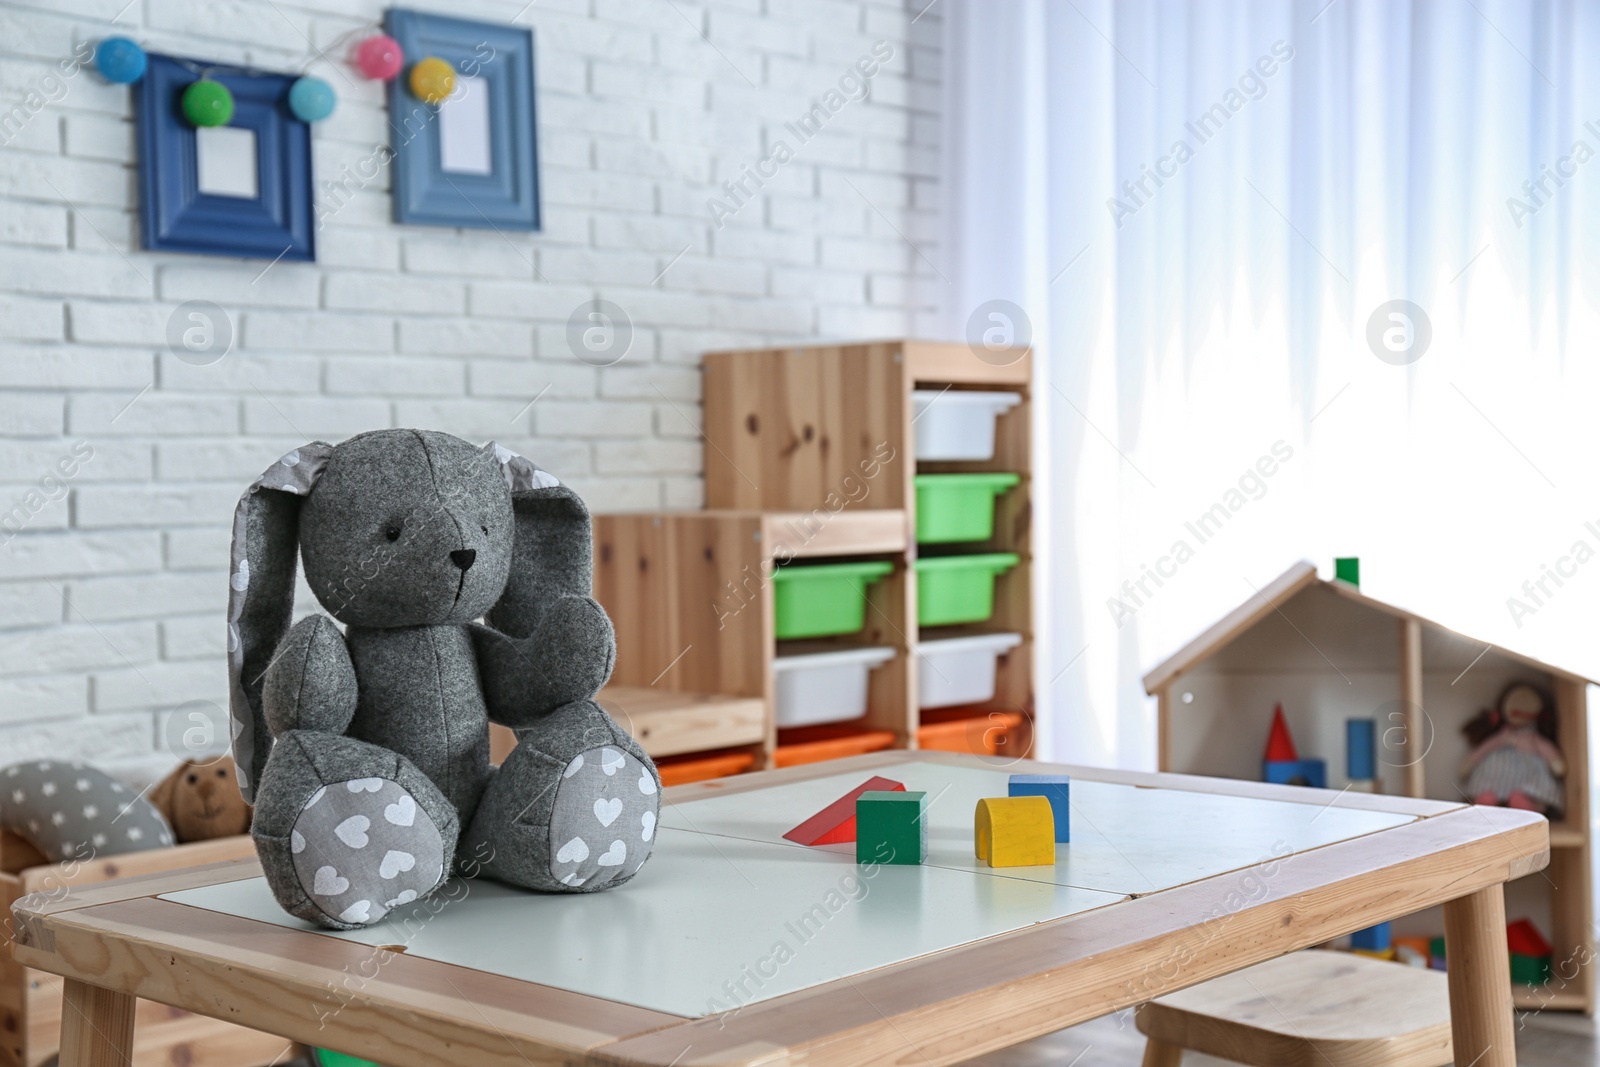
(201,800)
(1413,951)
(1282,765)
(836,823)
(1014,832)
(1514,761)
(1531,954)
(69,810)
(1056,789)
(1436,953)
(1348,569)
(1375,941)
(891,827)
(1361,754)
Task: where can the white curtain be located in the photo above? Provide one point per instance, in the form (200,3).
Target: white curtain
(1204,211)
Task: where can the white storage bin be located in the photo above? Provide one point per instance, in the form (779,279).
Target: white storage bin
(960,670)
(958,424)
(824,686)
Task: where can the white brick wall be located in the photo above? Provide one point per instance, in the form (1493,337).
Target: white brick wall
(112,589)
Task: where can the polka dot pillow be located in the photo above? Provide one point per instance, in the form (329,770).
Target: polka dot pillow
(72,811)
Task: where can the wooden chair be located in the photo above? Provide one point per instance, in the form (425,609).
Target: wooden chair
(1307,1009)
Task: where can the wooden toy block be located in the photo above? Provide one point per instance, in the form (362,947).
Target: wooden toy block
(891,827)
(1360,749)
(1280,743)
(1348,569)
(1014,832)
(1372,939)
(1055,789)
(836,823)
(1311,772)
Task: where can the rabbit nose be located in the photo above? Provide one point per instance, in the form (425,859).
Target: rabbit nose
(463,557)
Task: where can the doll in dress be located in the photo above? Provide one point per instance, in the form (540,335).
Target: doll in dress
(1514,761)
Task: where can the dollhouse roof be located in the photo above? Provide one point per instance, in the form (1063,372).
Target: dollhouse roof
(1270,598)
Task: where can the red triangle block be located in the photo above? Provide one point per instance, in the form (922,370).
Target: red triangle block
(1280,745)
(1524,939)
(836,823)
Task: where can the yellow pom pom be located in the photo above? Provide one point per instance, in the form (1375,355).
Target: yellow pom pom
(433,80)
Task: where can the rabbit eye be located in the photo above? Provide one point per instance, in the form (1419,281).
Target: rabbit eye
(223,773)
(393,532)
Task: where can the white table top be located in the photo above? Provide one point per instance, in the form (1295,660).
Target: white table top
(727,912)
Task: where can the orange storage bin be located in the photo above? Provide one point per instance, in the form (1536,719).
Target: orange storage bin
(988,733)
(813,744)
(703,766)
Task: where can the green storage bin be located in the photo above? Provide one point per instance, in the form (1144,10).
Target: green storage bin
(823,599)
(952,589)
(958,507)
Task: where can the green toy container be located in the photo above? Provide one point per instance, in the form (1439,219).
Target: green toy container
(952,589)
(823,599)
(958,507)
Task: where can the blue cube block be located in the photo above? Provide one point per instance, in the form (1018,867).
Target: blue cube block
(1361,749)
(1372,939)
(1312,772)
(1054,788)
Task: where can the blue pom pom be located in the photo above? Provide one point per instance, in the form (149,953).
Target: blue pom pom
(311,99)
(120,60)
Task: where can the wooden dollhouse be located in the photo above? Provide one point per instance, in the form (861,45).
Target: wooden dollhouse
(1328,653)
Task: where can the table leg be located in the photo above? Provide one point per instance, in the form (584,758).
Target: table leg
(1480,979)
(1161,1054)
(96,1026)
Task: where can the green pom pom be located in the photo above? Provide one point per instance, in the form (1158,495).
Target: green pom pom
(208,103)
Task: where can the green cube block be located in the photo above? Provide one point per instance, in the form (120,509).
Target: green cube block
(891,827)
(1348,569)
(1530,970)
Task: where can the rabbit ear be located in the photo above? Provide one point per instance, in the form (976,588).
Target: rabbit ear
(266,528)
(552,554)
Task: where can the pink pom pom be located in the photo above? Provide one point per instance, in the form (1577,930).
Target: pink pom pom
(380,57)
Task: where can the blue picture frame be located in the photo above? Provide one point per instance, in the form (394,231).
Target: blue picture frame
(506,198)
(175,216)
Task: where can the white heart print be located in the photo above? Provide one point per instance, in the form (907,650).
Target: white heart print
(353,831)
(647,784)
(614,855)
(395,863)
(574,851)
(404,898)
(402,812)
(574,767)
(364,785)
(329,883)
(297,842)
(649,821)
(610,761)
(607,810)
(357,912)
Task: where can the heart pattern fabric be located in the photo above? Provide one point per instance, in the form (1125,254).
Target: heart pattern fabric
(604,818)
(363,847)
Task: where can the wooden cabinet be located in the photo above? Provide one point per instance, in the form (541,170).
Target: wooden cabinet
(809,456)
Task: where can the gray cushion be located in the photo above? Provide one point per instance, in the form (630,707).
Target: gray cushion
(72,811)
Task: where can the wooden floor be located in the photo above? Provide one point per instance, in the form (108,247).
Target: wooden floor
(1550,1039)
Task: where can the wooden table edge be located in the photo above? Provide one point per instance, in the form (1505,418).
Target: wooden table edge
(188,957)
(975,998)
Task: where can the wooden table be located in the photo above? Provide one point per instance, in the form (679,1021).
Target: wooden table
(735,947)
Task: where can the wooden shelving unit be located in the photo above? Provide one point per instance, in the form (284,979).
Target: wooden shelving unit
(810,456)
(1327,652)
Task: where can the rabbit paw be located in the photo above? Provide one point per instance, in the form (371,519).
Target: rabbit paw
(349,830)
(573,808)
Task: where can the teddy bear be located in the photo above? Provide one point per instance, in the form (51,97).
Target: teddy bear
(365,750)
(201,800)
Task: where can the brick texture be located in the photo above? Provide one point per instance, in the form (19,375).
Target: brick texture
(664,192)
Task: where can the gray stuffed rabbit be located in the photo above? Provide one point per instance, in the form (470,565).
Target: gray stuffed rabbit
(366,752)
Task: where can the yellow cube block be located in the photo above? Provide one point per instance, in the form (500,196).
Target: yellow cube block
(1015,832)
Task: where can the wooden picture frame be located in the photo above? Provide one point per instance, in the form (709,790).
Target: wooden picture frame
(175,215)
(489,58)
